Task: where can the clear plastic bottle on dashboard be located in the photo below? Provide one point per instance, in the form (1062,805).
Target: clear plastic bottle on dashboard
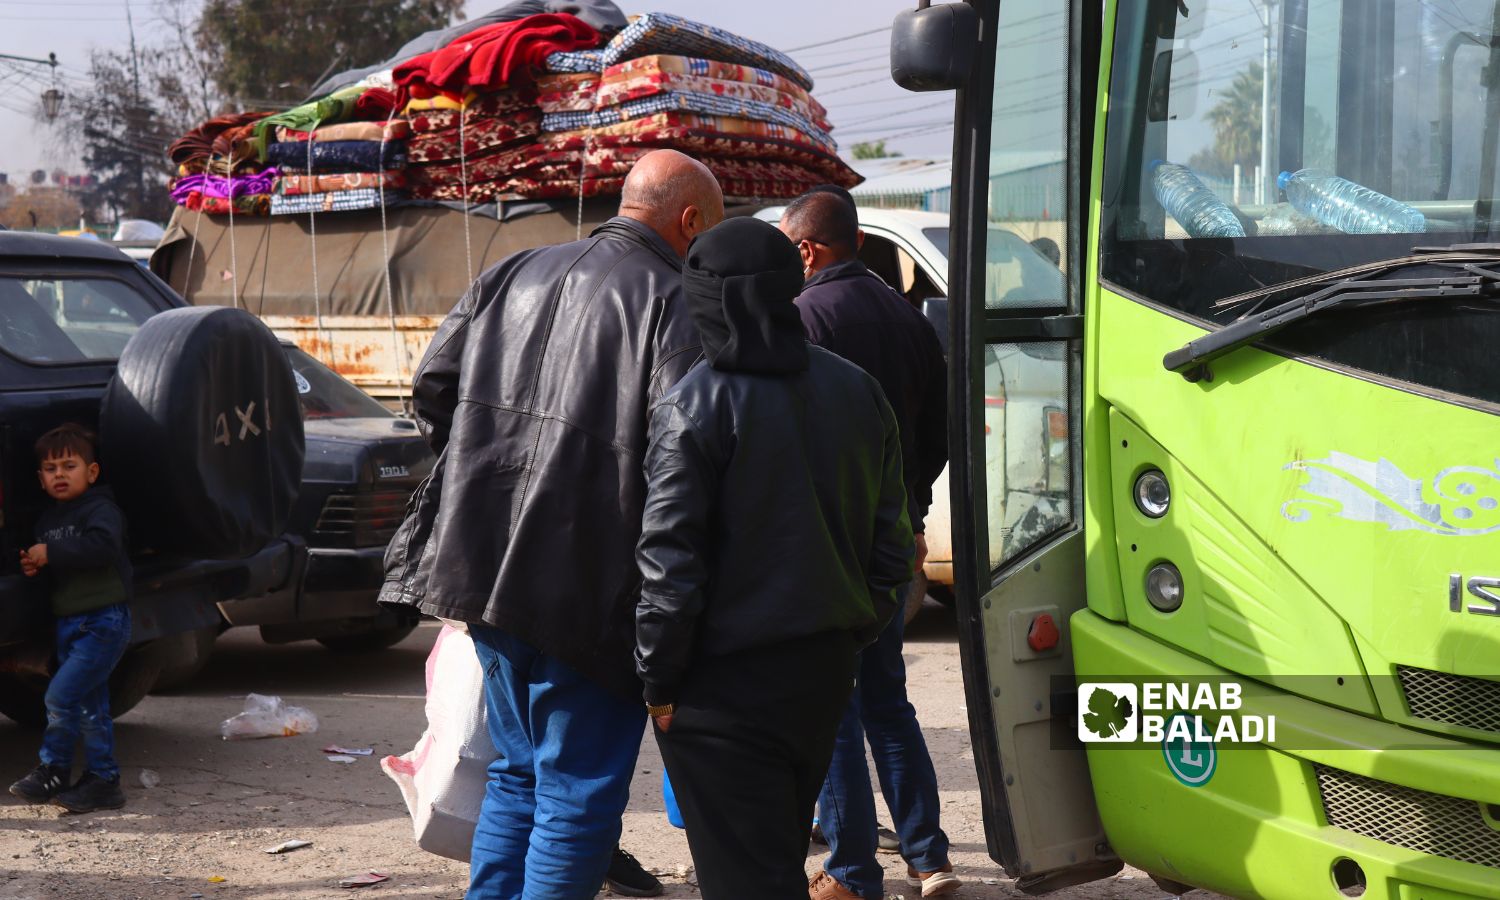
(1349,207)
(1197,209)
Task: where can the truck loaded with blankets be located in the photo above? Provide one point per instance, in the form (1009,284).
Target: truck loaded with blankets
(511,131)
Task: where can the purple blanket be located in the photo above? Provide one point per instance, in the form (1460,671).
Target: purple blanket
(224,187)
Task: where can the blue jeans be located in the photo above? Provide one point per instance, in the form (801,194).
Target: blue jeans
(567,748)
(88,646)
(879,711)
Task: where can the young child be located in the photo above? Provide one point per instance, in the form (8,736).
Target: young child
(81,543)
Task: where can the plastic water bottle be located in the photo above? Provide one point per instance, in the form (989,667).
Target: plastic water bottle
(1349,207)
(1197,209)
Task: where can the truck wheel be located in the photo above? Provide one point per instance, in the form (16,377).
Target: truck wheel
(183,657)
(367,641)
(202,433)
(22,695)
(916,595)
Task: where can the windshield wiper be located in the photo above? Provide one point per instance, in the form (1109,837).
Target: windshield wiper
(1190,359)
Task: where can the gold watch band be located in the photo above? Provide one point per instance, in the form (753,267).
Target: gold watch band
(666,709)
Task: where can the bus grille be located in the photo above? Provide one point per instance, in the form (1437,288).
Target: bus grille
(1450,827)
(1452,699)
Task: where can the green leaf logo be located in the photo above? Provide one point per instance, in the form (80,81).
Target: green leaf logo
(1108,715)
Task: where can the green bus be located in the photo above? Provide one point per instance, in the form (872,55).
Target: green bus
(1280,458)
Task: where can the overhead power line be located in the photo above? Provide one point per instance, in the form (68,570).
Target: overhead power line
(838,39)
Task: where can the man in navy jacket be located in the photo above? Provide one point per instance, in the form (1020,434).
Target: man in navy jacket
(847,309)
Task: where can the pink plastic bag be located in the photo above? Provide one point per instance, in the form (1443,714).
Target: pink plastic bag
(443,778)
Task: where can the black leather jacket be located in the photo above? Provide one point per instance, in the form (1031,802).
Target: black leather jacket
(775,509)
(534,394)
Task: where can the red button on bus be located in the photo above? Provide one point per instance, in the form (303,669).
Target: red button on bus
(1043,634)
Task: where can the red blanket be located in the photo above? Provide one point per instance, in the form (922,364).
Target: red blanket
(490,57)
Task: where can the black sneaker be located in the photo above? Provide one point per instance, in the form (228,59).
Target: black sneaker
(44,783)
(91,793)
(627,878)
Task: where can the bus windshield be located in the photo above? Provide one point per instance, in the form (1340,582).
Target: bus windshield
(1253,142)
(1267,106)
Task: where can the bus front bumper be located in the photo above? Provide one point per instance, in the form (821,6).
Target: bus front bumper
(1259,826)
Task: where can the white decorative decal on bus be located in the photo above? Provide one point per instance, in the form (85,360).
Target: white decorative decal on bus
(1461,500)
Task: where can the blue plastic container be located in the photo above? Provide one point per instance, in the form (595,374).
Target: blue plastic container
(674,814)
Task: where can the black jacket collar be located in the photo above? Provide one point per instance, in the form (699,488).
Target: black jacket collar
(628,229)
(849,268)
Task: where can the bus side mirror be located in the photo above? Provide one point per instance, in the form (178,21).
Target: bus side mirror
(936,311)
(933,47)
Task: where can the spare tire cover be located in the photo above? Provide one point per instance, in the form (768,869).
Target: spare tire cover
(201,433)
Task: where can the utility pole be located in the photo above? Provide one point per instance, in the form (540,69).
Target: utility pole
(1267,177)
(135,106)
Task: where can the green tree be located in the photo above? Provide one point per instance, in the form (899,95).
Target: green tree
(1236,123)
(871,150)
(122,135)
(129,108)
(272,52)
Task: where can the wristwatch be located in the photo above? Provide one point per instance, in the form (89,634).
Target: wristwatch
(666,709)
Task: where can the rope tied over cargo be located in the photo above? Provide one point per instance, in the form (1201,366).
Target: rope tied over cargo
(463,176)
(234,262)
(312,226)
(385,255)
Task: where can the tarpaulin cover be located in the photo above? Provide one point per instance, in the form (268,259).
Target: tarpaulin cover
(272,257)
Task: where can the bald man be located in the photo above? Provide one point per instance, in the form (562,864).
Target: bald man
(534,395)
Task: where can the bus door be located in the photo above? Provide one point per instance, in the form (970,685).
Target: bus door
(1016,330)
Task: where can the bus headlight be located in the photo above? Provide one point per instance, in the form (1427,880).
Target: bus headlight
(1164,587)
(1153,496)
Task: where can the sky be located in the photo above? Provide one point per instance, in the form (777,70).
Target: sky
(843,43)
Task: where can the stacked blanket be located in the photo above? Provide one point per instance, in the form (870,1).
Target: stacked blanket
(741,107)
(218,170)
(539,107)
(347,166)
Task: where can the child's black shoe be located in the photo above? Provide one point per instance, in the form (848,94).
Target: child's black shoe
(91,793)
(44,783)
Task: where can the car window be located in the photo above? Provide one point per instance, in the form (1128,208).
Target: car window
(324,394)
(939,238)
(48,318)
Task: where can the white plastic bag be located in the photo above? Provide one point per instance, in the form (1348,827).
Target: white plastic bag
(443,778)
(268,717)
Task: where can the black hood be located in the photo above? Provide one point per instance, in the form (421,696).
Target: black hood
(740,279)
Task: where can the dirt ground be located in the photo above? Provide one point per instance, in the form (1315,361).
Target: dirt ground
(201,831)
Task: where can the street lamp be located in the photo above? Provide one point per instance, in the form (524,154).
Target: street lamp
(52,99)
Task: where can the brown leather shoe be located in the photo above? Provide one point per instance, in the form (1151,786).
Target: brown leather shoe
(823,886)
(935,884)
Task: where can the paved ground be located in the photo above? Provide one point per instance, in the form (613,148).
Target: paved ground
(220,803)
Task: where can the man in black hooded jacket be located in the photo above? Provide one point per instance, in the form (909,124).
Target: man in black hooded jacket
(774,545)
(534,395)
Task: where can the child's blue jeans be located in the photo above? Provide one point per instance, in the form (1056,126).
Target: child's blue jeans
(88,646)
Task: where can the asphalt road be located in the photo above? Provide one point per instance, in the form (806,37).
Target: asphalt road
(219,804)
